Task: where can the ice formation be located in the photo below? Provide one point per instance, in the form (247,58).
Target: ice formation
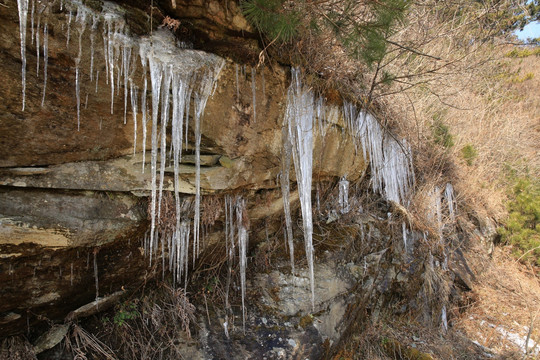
(45,60)
(285,191)
(390,159)
(449,195)
(241,217)
(343,198)
(236,235)
(299,119)
(22,6)
(186,72)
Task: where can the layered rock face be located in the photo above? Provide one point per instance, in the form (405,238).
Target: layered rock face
(73,198)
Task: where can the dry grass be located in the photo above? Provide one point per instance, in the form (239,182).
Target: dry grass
(158,329)
(508,300)
(16,348)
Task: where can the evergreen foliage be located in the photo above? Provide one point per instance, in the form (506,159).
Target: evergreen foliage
(270,18)
(522,229)
(361,27)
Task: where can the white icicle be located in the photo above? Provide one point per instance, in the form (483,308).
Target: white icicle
(344,195)
(449,195)
(37,42)
(156,75)
(110,60)
(22,6)
(285,191)
(179,71)
(126,60)
(97,81)
(144,110)
(299,116)
(45,60)
(444,319)
(166,85)
(254,93)
(81,20)
(68,35)
(133,94)
(242,248)
(32,18)
(390,160)
(404,232)
(95,21)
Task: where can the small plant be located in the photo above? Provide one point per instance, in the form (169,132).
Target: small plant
(441,134)
(127,311)
(523,53)
(469,154)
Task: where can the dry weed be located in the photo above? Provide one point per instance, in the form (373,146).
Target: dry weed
(506,308)
(16,348)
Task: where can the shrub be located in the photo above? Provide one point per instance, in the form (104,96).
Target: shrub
(441,134)
(522,229)
(469,153)
(523,53)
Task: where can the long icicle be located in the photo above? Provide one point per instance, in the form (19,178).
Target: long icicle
(299,116)
(45,60)
(156,74)
(23,14)
(285,191)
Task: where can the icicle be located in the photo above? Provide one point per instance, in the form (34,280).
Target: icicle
(449,195)
(86,102)
(95,21)
(390,160)
(253,92)
(176,69)
(299,117)
(96,273)
(32,19)
(71,275)
(97,80)
(156,75)
(285,191)
(37,40)
(230,247)
(126,59)
(237,85)
(404,231)
(144,112)
(105,36)
(344,195)
(45,60)
(201,97)
(241,218)
(444,318)
(133,94)
(111,62)
(68,35)
(164,120)
(263,85)
(22,6)
(81,19)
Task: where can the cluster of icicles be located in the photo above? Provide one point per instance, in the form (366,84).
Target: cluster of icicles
(181,81)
